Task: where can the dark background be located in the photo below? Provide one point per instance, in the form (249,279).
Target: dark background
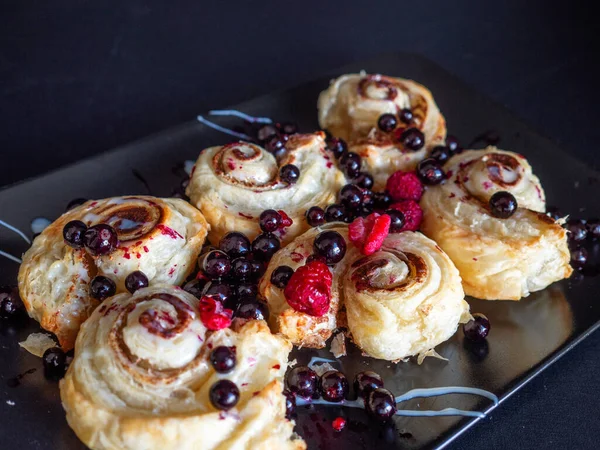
(80,78)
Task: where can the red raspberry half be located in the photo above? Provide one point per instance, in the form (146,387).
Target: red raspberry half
(213,315)
(309,289)
(286,221)
(413,214)
(368,234)
(404,186)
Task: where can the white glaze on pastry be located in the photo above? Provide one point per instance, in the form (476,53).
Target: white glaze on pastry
(502,259)
(144,384)
(234,183)
(401,301)
(160,237)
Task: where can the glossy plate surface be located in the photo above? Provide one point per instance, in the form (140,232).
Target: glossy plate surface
(526,336)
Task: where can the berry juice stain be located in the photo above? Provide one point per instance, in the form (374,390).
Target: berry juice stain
(16,381)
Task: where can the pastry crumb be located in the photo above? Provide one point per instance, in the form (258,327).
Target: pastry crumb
(10,403)
(38,343)
(338,345)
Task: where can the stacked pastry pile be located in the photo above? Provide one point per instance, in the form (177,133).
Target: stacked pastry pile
(306,232)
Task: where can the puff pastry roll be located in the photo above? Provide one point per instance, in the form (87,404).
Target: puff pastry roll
(497,258)
(402,300)
(141,379)
(160,237)
(234,183)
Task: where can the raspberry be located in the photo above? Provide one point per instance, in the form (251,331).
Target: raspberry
(309,289)
(286,221)
(213,315)
(404,186)
(368,234)
(338,423)
(413,214)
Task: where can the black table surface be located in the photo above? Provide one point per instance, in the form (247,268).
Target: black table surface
(77,79)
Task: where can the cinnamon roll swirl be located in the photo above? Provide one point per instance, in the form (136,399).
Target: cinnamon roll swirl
(402,300)
(234,183)
(160,237)
(141,378)
(503,259)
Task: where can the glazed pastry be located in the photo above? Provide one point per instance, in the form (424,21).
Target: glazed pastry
(160,237)
(234,183)
(402,300)
(503,259)
(141,379)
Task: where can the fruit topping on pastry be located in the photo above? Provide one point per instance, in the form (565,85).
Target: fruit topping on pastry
(315,216)
(412,139)
(331,245)
(368,234)
(289,173)
(430,172)
(387,122)
(222,359)
(102,287)
(309,288)
(101,239)
(235,244)
(213,315)
(281,276)
(136,280)
(413,214)
(404,186)
(337,146)
(74,232)
(224,394)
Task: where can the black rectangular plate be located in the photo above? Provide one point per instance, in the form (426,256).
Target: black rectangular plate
(526,337)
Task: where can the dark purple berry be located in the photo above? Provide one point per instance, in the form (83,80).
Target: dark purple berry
(382,200)
(241,268)
(387,122)
(289,173)
(281,276)
(302,381)
(195,287)
(412,139)
(245,290)
(331,245)
(264,246)
(55,363)
(136,280)
(351,196)
(102,287)
(441,154)
(398,220)
(289,128)
(364,180)
(251,308)
(217,264)
(258,269)
(224,394)
(577,230)
(453,144)
(100,239)
(219,290)
(235,244)
(269,220)
(337,146)
(579,257)
(430,172)
(75,203)
(477,328)
(365,382)
(350,163)
(73,233)
(222,359)
(315,216)
(290,403)
(335,213)
(503,204)
(380,403)
(406,115)
(334,386)
(11,304)
(593,228)
(275,144)
(265,132)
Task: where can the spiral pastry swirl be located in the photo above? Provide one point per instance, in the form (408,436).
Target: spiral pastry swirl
(401,301)
(503,259)
(234,183)
(141,378)
(160,237)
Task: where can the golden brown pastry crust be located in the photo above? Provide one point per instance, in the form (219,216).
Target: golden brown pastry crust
(234,183)
(503,259)
(350,109)
(160,237)
(401,301)
(136,383)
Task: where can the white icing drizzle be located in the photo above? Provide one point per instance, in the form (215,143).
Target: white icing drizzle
(214,126)
(430,392)
(316,359)
(233,112)
(188,166)
(11,257)
(39,224)
(16,230)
